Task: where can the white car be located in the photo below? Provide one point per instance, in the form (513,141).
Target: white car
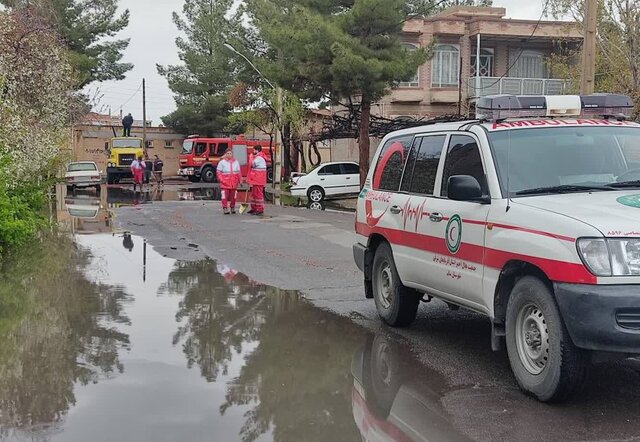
(83,174)
(328,179)
(529,215)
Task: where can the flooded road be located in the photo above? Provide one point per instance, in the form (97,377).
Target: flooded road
(105,338)
(107,349)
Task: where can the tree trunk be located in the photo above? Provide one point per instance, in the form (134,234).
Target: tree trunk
(286,146)
(364,142)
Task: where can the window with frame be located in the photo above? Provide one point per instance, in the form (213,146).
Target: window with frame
(200,148)
(350,169)
(415,80)
(463,158)
(330,169)
(222,148)
(527,64)
(445,66)
(486,63)
(390,163)
(168,144)
(422,165)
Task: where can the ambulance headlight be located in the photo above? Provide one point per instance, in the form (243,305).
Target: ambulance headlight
(625,256)
(595,254)
(612,256)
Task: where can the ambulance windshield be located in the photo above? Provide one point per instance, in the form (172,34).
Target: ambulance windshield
(566,159)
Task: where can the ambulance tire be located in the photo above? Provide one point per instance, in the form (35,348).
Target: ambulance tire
(546,364)
(397,305)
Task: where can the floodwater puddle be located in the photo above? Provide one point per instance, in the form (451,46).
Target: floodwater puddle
(111,342)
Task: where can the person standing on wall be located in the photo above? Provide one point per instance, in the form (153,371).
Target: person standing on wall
(257,178)
(127,122)
(229,177)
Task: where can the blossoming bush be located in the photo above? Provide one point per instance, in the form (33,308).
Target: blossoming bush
(35,94)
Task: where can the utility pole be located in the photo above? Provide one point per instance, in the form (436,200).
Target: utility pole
(144,115)
(589,47)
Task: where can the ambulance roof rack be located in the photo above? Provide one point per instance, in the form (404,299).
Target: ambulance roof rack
(500,107)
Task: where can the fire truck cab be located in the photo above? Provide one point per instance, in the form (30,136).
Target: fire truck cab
(200,156)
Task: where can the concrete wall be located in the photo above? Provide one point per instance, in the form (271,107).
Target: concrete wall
(89,145)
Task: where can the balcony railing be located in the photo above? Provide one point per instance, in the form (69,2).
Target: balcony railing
(516,86)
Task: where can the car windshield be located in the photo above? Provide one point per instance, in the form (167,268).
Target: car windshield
(81,167)
(187,147)
(566,159)
(127,142)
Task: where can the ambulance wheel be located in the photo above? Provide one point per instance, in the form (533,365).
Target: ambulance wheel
(270,175)
(209,175)
(194,179)
(315,194)
(544,360)
(397,305)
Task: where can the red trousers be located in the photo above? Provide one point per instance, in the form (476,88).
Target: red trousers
(229,198)
(257,199)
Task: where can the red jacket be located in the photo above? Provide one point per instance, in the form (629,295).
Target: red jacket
(257,175)
(228,173)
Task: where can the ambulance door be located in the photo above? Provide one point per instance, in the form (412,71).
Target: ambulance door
(458,227)
(418,184)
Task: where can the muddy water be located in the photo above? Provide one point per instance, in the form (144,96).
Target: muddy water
(107,348)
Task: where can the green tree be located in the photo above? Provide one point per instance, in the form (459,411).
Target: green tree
(208,72)
(337,48)
(85,28)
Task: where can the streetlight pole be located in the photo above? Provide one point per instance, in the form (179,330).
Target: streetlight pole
(277,170)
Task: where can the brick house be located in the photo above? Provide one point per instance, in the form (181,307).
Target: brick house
(513,57)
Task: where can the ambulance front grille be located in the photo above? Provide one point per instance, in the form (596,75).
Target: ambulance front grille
(628,318)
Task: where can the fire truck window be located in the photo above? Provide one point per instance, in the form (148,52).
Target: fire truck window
(391,162)
(427,160)
(201,148)
(222,148)
(463,158)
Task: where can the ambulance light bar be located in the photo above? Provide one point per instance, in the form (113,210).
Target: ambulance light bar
(499,107)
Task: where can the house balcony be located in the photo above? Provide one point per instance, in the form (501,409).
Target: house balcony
(482,86)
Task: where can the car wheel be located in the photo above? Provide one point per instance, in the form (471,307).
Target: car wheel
(543,358)
(397,305)
(270,175)
(209,175)
(315,194)
(98,188)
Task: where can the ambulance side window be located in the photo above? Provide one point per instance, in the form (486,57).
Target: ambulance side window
(463,158)
(391,163)
(422,166)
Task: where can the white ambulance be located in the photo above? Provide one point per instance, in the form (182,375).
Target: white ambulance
(529,215)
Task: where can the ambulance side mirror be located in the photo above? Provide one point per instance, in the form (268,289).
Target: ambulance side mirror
(466,188)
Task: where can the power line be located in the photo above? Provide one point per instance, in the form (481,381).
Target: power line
(535,28)
(131,97)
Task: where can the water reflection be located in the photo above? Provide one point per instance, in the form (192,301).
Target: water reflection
(59,330)
(294,375)
(394,399)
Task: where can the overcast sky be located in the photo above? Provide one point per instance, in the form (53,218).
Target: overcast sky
(152,34)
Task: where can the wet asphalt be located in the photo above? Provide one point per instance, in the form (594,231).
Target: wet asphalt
(166,320)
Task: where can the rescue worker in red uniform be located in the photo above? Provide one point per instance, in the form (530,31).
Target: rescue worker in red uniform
(257,178)
(229,177)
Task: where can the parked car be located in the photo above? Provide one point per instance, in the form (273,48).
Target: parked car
(328,179)
(83,174)
(529,219)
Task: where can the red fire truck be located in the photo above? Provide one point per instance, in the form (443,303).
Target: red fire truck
(200,156)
